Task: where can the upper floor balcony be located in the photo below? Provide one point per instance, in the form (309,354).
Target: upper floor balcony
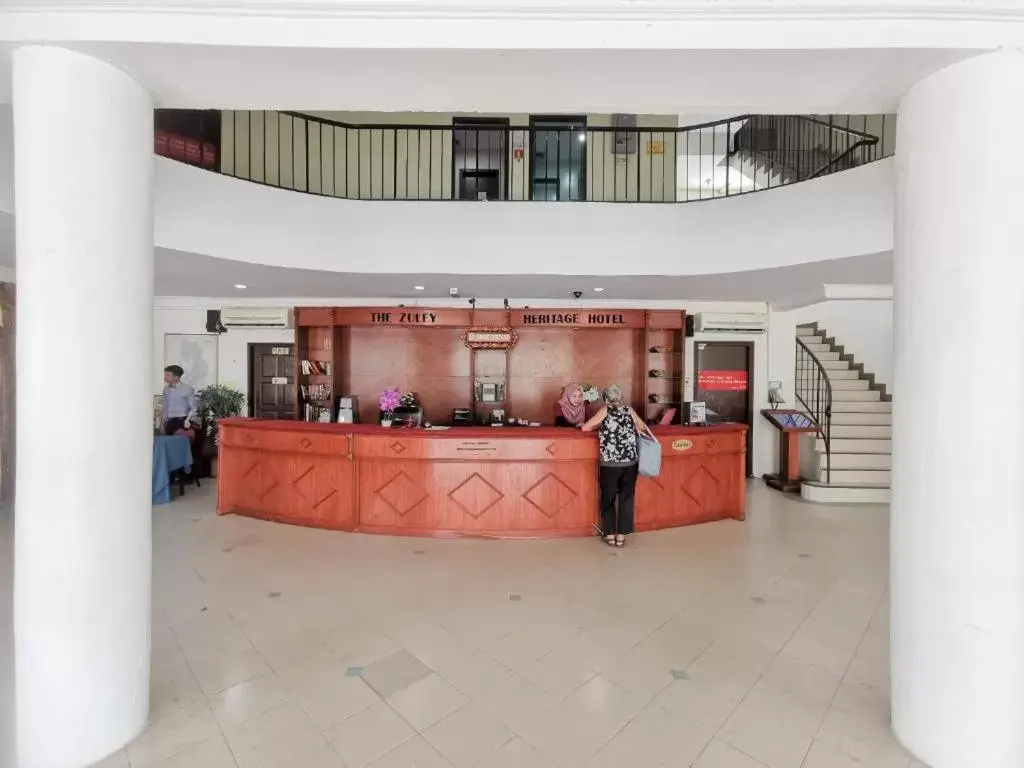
(544,158)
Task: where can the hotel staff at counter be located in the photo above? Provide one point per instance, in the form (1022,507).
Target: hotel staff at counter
(571,409)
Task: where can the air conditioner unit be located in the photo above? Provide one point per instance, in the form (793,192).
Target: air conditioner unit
(730,322)
(256,317)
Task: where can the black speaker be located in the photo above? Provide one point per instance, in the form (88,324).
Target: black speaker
(213,323)
(689,326)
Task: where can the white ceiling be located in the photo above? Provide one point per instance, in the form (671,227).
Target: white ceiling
(506,81)
(188,274)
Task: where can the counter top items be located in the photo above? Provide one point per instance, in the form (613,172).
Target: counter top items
(390,399)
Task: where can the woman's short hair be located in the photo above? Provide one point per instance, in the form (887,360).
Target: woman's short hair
(612,395)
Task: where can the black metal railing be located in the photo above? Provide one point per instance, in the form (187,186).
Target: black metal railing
(814,393)
(560,158)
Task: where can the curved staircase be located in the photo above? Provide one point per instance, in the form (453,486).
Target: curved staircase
(852,452)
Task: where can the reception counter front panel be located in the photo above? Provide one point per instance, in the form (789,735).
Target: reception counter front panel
(500,482)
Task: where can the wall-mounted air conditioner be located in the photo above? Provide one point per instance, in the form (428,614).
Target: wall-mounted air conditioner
(730,322)
(256,317)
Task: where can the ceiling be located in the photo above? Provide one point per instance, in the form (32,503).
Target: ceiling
(188,274)
(506,81)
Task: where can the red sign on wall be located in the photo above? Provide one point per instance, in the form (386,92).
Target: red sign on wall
(722,381)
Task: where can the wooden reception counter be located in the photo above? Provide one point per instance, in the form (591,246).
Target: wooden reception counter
(470,481)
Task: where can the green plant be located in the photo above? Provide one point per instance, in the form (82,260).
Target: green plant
(218,402)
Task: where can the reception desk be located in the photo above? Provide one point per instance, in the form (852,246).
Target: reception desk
(465,481)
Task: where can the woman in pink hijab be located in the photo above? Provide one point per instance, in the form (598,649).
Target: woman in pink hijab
(571,410)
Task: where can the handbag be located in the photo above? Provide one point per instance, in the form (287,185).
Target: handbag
(649,456)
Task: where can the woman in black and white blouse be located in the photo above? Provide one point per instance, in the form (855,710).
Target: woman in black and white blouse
(618,426)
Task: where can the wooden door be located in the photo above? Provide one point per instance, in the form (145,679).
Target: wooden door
(724,380)
(271,388)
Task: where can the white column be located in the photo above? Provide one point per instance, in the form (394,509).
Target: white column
(957,537)
(83,145)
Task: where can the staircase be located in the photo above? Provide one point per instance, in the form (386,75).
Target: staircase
(852,455)
(774,150)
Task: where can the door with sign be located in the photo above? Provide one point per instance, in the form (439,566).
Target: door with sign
(271,384)
(723,375)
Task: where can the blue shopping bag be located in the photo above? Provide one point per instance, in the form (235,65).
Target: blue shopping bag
(650,456)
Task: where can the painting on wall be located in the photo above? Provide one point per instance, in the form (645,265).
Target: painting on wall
(196,353)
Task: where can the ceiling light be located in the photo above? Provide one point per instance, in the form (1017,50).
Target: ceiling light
(582,137)
(241,287)
(419,288)
(598,290)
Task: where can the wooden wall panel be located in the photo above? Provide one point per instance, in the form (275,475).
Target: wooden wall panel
(474,498)
(431,362)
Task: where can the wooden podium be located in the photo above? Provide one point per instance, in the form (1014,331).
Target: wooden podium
(790,424)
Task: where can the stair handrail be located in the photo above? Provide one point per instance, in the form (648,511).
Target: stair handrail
(816,398)
(802,130)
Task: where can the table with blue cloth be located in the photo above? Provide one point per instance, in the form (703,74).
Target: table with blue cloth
(170,453)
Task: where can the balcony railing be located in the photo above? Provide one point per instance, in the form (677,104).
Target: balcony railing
(552,159)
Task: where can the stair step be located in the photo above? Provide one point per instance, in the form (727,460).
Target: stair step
(835,365)
(882,477)
(823,356)
(822,493)
(843,375)
(861,431)
(855,445)
(855,461)
(854,395)
(861,406)
(818,346)
(849,384)
(806,330)
(839,418)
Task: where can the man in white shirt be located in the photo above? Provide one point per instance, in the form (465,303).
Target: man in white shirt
(179,405)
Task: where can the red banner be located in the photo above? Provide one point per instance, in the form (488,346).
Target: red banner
(727,381)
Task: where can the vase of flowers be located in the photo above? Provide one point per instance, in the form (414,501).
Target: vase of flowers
(591,395)
(390,399)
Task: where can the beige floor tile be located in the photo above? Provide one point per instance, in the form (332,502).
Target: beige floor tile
(517,702)
(664,738)
(336,698)
(474,673)
(253,697)
(517,754)
(173,733)
(559,673)
(213,753)
(596,638)
(863,739)
(117,760)
(311,751)
(394,673)
(285,724)
(217,671)
(617,754)
(467,737)
(415,753)
(565,738)
(720,755)
(427,701)
(773,726)
(369,735)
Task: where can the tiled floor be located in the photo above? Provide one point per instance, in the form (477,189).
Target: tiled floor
(732,645)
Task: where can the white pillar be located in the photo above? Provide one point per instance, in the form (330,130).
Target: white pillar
(83,146)
(957,537)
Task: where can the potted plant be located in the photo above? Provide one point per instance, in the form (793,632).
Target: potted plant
(213,403)
(390,399)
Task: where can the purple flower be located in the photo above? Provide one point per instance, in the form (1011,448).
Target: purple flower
(389,399)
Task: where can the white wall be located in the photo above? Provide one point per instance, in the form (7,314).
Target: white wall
(188,315)
(845,214)
(864,327)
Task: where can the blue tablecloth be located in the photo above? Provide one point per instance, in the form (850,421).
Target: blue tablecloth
(170,452)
